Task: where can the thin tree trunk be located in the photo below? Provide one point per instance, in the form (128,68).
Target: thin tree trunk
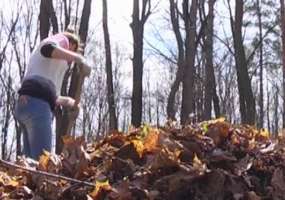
(113,124)
(261,106)
(174,16)
(149,102)
(76,15)
(47,15)
(210,87)
(247,102)
(66,14)
(7,118)
(64,121)
(283,56)
(137,26)
(188,75)
(268,109)
(83,29)
(276,115)
(157,110)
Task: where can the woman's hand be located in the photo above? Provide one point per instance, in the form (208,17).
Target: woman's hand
(65,101)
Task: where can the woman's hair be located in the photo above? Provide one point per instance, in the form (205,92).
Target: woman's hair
(72,38)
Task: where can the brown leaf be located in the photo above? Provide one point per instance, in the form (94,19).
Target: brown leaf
(50,162)
(22,192)
(218,131)
(151,141)
(219,155)
(251,195)
(121,192)
(121,168)
(117,140)
(163,159)
(130,151)
(75,158)
(243,165)
(100,188)
(278,183)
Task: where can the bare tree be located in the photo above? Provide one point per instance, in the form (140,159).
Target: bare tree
(113,124)
(65,121)
(283,55)
(174,15)
(190,17)
(261,98)
(210,86)
(246,98)
(67,13)
(139,18)
(47,17)
(275,112)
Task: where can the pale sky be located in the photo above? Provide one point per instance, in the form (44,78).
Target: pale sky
(119,16)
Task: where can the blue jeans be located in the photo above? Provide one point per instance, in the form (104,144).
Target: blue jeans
(36,118)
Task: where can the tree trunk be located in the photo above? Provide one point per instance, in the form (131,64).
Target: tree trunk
(113,124)
(7,117)
(174,16)
(47,16)
(283,57)
(84,24)
(261,105)
(247,102)
(67,11)
(64,121)
(188,75)
(268,109)
(276,114)
(210,88)
(137,26)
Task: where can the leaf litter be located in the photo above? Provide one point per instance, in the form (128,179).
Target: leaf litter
(211,160)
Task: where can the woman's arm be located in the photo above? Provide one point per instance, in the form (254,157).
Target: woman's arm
(65,54)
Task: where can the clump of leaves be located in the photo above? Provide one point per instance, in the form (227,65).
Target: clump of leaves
(209,160)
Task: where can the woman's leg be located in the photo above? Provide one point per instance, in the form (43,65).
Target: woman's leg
(36,116)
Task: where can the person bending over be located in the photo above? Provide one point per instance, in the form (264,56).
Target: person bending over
(39,93)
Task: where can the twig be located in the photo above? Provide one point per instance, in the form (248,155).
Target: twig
(43,173)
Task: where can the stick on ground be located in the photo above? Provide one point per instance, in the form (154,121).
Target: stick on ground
(43,173)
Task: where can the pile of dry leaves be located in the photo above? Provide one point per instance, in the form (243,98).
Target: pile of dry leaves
(210,160)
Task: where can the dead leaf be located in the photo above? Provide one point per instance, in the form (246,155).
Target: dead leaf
(151,141)
(100,188)
(50,162)
(251,195)
(243,165)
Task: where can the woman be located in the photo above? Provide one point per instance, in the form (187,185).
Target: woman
(40,90)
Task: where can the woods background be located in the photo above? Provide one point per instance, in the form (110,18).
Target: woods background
(186,60)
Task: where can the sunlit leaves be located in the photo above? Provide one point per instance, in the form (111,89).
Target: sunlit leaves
(212,159)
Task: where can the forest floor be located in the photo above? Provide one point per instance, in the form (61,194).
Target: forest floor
(211,160)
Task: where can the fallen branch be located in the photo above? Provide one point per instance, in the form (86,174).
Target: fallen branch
(43,173)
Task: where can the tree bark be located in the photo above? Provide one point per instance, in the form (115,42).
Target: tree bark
(84,24)
(113,124)
(276,114)
(64,121)
(210,87)
(138,21)
(47,17)
(283,56)
(246,99)
(174,16)
(188,75)
(7,118)
(67,11)
(261,105)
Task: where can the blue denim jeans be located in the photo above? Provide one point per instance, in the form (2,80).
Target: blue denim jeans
(36,118)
